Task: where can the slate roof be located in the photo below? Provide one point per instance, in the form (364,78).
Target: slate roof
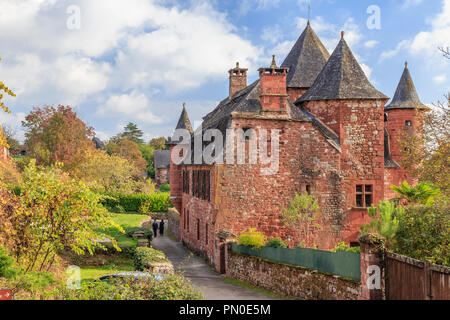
(98,144)
(406,96)
(162,159)
(183,123)
(388,161)
(306,59)
(342,78)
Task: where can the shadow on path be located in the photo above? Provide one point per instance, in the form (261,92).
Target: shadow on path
(201,275)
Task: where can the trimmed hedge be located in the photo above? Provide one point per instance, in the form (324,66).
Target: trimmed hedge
(144,257)
(155,202)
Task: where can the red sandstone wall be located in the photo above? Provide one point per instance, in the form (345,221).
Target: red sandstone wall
(294,94)
(396,127)
(247,199)
(176,180)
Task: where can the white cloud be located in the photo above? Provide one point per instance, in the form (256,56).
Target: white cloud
(410,3)
(135,106)
(371,44)
(247,5)
(440,79)
(272,34)
(392,53)
(425,43)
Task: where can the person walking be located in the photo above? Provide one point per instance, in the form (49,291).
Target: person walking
(161,228)
(155,228)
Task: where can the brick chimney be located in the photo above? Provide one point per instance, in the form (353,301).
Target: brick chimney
(238,79)
(273,89)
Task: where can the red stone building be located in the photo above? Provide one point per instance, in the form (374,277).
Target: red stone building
(337,141)
(162,167)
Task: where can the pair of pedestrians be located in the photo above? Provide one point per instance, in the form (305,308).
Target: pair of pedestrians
(157,226)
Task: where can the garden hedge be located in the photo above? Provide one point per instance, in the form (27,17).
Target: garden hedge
(121,203)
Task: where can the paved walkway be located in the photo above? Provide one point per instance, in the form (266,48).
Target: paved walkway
(201,275)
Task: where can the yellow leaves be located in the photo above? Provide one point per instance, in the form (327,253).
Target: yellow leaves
(8,91)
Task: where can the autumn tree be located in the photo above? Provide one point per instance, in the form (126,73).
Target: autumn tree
(107,173)
(129,150)
(6,90)
(57,135)
(52,212)
(10,136)
(158,143)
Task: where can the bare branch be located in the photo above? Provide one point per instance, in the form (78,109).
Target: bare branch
(445,52)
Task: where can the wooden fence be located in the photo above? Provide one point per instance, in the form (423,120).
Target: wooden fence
(410,279)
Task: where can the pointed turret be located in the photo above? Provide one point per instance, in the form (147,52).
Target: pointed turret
(306,59)
(184,122)
(406,96)
(342,78)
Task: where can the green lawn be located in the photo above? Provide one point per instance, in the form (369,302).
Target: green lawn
(125,221)
(119,262)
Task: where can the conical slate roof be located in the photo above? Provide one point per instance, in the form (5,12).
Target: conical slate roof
(406,96)
(342,78)
(306,59)
(184,122)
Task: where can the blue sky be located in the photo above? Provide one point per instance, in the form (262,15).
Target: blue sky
(137,61)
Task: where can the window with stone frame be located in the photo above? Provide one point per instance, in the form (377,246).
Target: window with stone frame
(206,234)
(198,229)
(408,123)
(364,195)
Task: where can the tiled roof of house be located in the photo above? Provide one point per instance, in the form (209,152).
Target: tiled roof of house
(162,159)
(342,78)
(406,96)
(306,59)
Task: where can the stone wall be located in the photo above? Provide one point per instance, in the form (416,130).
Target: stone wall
(290,281)
(173,218)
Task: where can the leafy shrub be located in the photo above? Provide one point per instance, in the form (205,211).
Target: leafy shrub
(276,243)
(7,268)
(342,246)
(385,221)
(164,187)
(423,233)
(252,238)
(145,256)
(172,287)
(35,281)
(155,202)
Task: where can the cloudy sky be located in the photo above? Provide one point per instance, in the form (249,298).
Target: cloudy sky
(120,61)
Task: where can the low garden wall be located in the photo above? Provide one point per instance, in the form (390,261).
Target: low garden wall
(291,281)
(299,273)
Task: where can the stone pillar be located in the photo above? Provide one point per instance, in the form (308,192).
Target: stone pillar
(372,267)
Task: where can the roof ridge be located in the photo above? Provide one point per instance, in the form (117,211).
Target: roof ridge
(342,78)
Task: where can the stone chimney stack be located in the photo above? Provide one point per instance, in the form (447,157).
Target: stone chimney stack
(238,79)
(273,89)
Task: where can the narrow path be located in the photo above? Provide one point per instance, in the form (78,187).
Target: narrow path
(201,275)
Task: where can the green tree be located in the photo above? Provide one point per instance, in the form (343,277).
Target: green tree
(385,221)
(423,193)
(302,216)
(133,133)
(5,89)
(423,233)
